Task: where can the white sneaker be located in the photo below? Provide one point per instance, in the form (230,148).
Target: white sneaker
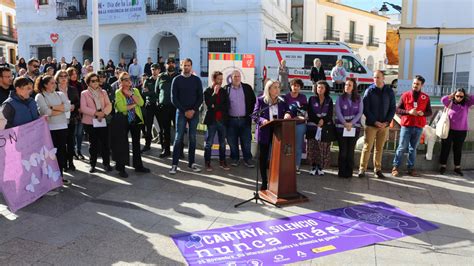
(313,171)
(320,172)
(173,169)
(195,168)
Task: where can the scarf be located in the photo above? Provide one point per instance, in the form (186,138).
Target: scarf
(96,95)
(130,113)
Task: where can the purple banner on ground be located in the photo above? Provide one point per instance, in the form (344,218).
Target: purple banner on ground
(301,237)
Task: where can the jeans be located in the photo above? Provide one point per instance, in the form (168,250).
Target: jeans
(79,133)
(300,131)
(409,139)
(220,129)
(181,121)
(239,128)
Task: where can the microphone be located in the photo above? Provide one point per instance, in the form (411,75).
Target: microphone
(281,99)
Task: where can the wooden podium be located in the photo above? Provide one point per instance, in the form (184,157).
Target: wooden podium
(282,171)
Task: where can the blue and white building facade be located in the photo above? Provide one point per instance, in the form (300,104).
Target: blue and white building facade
(168,28)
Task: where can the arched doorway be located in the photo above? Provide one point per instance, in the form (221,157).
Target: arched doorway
(122,45)
(82,48)
(166,45)
(87,50)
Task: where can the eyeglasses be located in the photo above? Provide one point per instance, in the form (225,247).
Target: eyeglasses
(94,80)
(35,66)
(63,76)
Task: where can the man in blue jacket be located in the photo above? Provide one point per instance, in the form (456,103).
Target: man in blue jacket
(379,109)
(19,108)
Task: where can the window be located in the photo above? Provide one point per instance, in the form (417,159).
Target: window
(462,79)
(327,61)
(352,65)
(329,23)
(447,79)
(2,52)
(43,2)
(297,20)
(371,34)
(352,26)
(217,45)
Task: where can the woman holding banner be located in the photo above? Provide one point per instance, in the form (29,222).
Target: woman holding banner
(54,104)
(95,106)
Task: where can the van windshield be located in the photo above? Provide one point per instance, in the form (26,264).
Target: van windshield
(352,65)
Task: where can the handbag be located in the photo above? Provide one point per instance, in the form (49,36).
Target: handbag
(328,133)
(443,124)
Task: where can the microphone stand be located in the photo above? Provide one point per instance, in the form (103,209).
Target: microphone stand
(256,195)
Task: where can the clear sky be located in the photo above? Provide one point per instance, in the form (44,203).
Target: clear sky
(370,4)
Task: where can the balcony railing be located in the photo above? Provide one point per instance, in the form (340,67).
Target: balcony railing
(374,42)
(70,9)
(354,38)
(331,35)
(165,6)
(8,34)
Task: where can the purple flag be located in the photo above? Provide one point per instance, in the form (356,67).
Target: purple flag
(301,237)
(28,165)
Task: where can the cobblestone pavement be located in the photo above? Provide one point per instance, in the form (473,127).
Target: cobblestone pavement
(102,219)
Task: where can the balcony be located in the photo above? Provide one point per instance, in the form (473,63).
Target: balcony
(331,35)
(373,42)
(69,9)
(352,38)
(8,34)
(165,6)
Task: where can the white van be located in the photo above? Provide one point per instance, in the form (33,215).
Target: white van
(299,60)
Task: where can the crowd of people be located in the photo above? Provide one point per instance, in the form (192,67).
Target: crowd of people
(126,99)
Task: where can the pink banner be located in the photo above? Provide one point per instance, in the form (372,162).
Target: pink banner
(28,165)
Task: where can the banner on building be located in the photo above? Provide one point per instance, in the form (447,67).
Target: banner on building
(118,11)
(28,165)
(297,238)
(228,62)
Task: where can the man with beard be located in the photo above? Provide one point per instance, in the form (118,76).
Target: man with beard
(151,109)
(166,110)
(186,96)
(33,69)
(5,83)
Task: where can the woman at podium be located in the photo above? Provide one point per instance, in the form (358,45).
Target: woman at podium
(267,108)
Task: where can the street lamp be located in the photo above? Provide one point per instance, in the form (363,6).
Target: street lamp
(385,8)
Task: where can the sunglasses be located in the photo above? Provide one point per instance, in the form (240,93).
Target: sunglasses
(63,76)
(459,96)
(94,80)
(36,66)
